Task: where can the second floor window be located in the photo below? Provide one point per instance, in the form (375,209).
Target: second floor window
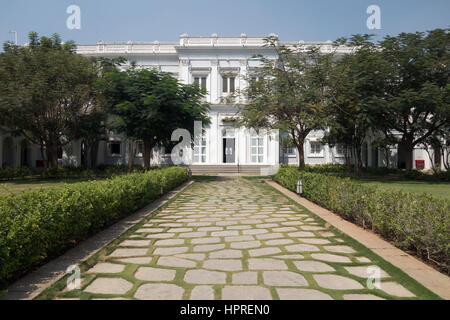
(228,84)
(201,82)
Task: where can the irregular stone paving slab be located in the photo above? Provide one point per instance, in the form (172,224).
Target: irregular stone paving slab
(176,262)
(223,264)
(106,268)
(128,252)
(331,281)
(266,264)
(300,234)
(302,248)
(202,293)
(284,279)
(169,251)
(109,286)
(363,259)
(161,235)
(340,249)
(314,241)
(159,291)
(330,257)
(263,252)
(202,276)
(269,236)
(365,272)
(247,277)
(149,230)
(154,274)
(227,253)
(395,289)
(192,256)
(239,238)
(278,242)
(205,240)
(245,293)
(208,247)
(313,266)
(140,260)
(135,243)
(192,235)
(357,296)
(289,256)
(302,294)
(245,244)
(169,242)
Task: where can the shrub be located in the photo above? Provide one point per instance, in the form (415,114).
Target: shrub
(9,173)
(417,222)
(40,224)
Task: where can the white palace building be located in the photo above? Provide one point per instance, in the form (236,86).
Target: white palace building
(218,64)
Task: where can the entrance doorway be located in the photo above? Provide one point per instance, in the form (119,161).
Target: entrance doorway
(228,150)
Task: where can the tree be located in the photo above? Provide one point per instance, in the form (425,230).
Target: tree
(356,80)
(46,91)
(415,102)
(148,105)
(290,94)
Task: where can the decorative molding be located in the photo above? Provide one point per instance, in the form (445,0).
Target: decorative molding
(184,62)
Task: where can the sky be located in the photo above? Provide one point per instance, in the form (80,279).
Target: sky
(165,20)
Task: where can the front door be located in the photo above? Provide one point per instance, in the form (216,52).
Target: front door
(228,150)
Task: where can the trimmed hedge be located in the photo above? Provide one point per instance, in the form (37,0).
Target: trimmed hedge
(43,223)
(414,222)
(10,173)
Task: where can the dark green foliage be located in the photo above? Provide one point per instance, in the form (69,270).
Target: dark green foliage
(43,223)
(414,222)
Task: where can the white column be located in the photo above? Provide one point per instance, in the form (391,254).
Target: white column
(184,71)
(214,84)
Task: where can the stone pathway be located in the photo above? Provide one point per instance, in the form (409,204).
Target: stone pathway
(233,238)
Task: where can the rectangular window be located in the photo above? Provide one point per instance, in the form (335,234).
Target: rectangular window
(257,149)
(200,150)
(225,84)
(114,148)
(228,84)
(201,82)
(140,149)
(316,148)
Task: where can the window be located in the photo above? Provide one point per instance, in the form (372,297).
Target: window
(114,148)
(201,82)
(290,150)
(257,149)
(228,84)
(200,150)
(316,148)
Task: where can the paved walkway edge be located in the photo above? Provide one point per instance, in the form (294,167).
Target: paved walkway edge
(416,269)
(31,285)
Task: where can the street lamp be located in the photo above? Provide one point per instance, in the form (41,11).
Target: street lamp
(15,34)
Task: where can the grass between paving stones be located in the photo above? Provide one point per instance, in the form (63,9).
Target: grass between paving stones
(59,286)
(396,274)
(281,200)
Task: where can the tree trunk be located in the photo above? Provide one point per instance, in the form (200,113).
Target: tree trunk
(147,151)
(357,159)
(301,153)
(93,152)
(52,155)
(409,149)
(131,153)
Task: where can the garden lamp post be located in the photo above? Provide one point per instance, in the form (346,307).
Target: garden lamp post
(299,186)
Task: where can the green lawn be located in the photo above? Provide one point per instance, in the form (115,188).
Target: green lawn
(439,189)
(18,186)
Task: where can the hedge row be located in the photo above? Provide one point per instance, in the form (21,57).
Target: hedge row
(10,173)
(414,222)
(346,171)
(40,224)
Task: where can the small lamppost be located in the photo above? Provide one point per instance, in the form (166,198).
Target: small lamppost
(299,186)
